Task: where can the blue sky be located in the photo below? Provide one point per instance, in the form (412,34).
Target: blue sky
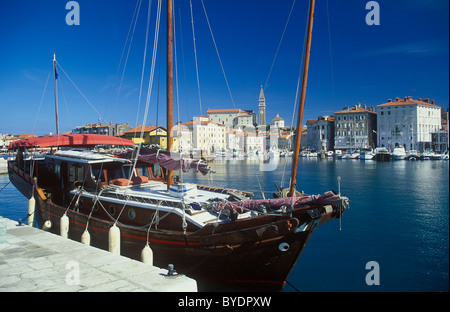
(407,54)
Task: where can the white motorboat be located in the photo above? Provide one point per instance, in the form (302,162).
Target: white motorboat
(399,153)
(350,155)
(367,155)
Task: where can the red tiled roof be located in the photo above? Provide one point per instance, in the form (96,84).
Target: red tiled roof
(139,129)
(355,110)
(231,110)
(408,101)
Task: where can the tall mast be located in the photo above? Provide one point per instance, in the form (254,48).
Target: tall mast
(56,93)
(302,99)
(169,85)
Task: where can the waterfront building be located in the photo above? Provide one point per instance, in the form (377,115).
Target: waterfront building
(286,141)
(99,128)
(321,134)
(278,122)
(262,108)
(2,142)
(234,140)
(8,138)
(183,136)
(407,122)
(232,117)
(355,128)
(153,136)
(134,134)
(440,139)
(207,136)
(254,142)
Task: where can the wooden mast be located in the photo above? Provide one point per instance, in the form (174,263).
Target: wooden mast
(169,85)
(302,99)
(56,93)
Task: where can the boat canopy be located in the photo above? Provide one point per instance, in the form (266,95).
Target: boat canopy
(70,140)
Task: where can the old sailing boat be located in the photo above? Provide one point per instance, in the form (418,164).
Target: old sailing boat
(210,234)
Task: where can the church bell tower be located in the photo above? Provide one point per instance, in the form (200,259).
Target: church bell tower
(262,108)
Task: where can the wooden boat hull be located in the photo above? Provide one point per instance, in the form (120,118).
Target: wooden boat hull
(256,254)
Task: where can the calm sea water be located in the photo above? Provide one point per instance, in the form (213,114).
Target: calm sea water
(398,217)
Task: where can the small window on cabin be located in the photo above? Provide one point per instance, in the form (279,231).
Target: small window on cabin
(57,170)
(72,171)
(81,175)
(157,170)
(98,174)
(142,170)
(115,173)
(127,170)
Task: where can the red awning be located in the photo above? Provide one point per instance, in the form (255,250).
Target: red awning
(72,140)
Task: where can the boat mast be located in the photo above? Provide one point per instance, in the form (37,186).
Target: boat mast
(302,99)
(56,94)
(169,85)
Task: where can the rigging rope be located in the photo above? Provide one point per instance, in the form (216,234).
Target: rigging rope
(279,44)
(82,94)
(299,131)
(331,57)
(177,94)
(143,62)
(195,57)
(42,98)
(123,51)
(126,58)
(149,91)
(67,107)
(217,51)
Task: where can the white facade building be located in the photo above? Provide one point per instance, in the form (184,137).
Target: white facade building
(278,122)
(254,142)
(234,140)
(184,138)
(408,123)
(321,134)
(207,135)
(232,117)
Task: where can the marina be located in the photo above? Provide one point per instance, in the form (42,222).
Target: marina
(220,197)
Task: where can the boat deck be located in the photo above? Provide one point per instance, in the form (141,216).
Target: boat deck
(154,195)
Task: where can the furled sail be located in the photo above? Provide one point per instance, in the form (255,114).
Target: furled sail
(169,160)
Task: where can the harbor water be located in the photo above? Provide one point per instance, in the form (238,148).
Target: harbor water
(398,220)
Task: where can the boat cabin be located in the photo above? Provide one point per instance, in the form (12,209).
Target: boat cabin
(65,170)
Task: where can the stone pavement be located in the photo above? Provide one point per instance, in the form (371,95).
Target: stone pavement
(35,260)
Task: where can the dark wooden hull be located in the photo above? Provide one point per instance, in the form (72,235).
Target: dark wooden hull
(254,254)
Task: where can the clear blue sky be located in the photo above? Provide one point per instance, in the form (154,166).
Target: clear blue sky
(407,54)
